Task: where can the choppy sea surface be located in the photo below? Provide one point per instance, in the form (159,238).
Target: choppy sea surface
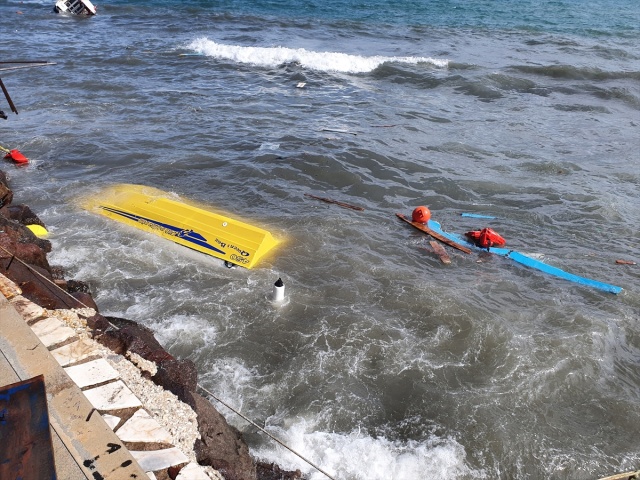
(382,363)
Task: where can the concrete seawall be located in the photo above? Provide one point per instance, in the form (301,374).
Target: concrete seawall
(77,437)
(85,395)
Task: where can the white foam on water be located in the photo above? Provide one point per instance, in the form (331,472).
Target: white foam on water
(269,146)
(354,455)
(357,456)
(230,377)
(320,61)
(182,331)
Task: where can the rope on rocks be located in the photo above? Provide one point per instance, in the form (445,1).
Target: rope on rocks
(275,439)
(47,281)
(241,415)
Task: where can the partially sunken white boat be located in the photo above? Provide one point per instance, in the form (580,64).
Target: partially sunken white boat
(75,7)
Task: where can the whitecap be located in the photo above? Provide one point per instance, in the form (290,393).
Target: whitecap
(358,456)
(320,61)
(269,146)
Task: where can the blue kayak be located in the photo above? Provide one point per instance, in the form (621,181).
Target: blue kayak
(529,262)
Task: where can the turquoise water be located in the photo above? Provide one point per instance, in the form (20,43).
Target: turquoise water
(383,362)
(588,18)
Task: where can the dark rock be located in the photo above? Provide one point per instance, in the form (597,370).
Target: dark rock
(34,252)
(23,259)
(22,243)
(84,300)
(24,215)
(77,286)
(110,339)
(271,471)
(98,323)
(20,234)
(37,287)
(57,272)
(135,338)
(122,322)
(221,445)
(174,471)
(180,377)
(6,195)
(162,475)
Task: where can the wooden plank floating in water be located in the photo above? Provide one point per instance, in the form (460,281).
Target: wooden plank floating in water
(338,131)
(340,204)
(5,69)
(625,262)
(440,251)
(436,235)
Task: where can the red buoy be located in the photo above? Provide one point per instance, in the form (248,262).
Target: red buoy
(421,215)
(16,156)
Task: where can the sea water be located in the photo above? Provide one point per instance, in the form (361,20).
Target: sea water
(382,362)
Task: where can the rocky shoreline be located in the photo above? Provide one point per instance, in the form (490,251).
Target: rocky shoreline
(23,257)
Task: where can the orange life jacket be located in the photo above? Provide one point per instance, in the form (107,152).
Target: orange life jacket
(486,238)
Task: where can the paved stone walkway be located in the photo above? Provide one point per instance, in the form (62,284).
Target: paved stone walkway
(82,359)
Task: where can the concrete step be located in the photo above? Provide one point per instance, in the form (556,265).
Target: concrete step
(112,396)
(156,460)
(52,332)
(76,352)
(92,373)
(141,427)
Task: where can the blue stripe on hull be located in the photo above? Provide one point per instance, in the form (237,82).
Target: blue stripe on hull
(188,235)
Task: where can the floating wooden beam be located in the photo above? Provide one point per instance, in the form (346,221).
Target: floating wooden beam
(625,262)
(338,131)
(436,235)
(29,65)
(340,204)
(440,251)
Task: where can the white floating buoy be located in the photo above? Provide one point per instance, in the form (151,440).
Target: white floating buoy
(278,291)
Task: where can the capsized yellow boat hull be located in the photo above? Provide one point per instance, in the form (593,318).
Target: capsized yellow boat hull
(159,212)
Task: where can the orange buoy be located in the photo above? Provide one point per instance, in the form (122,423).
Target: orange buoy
(421,215)
(486,238)
(16,156)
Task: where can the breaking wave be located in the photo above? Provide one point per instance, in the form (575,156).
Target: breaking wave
(357,456)
(320,61)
